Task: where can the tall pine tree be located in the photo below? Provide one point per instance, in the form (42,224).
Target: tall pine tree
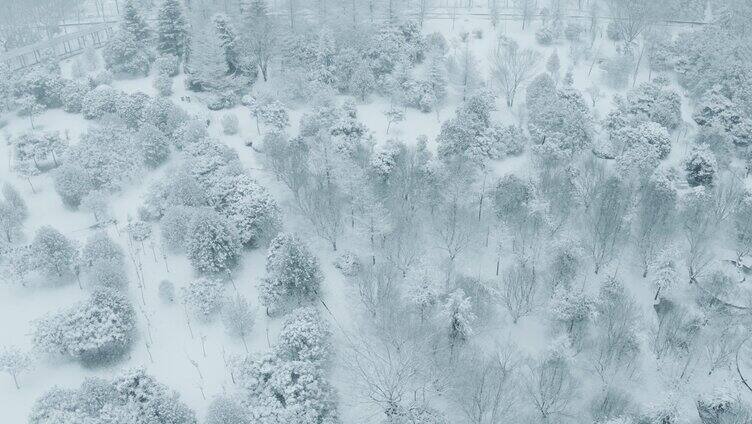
(207,65)
(134,23)
(172,29)
(260,33)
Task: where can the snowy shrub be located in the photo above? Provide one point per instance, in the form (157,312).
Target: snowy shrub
(305,336)
(545,35)
(100,101)
(573,31)
(103,77)
(723,406)
(73,95)
(292,272)
(613,32)
(348,263)
(155,147)
(701,167)
(224,99)
(83,333)
(167,64)
(163,84)
(190,132)
(294,392)
(213,244)
(229,123)
(132,396)
(203,297)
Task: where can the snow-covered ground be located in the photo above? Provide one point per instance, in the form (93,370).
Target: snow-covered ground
(173,344)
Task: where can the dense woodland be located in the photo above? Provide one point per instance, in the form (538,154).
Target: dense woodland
(378,211)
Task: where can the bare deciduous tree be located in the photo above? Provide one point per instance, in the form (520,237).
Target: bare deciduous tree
(512,67)
(485,387)
(518,289)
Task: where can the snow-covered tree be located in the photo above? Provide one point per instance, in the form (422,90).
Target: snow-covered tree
(560,122)
(281,391)
(701,166)
(553,65)
(227,410)
(742,221)
(72,183)
(518,290)
(203,297)
(172,29)
(463,70)
(155,147)
(292,272)
(54,254)
(550,382)
(13,212)
(207,65)
(305,336)
(472,132)
(616,345)
(654,217)
(83,333)
(457,310)
(100,101)
(213,244)
(14,361)
(132,396)
(125,53)
(175,226)
(163,83)
(260,34)
(573,308)
(238,318)
(605,221)
(665,269)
